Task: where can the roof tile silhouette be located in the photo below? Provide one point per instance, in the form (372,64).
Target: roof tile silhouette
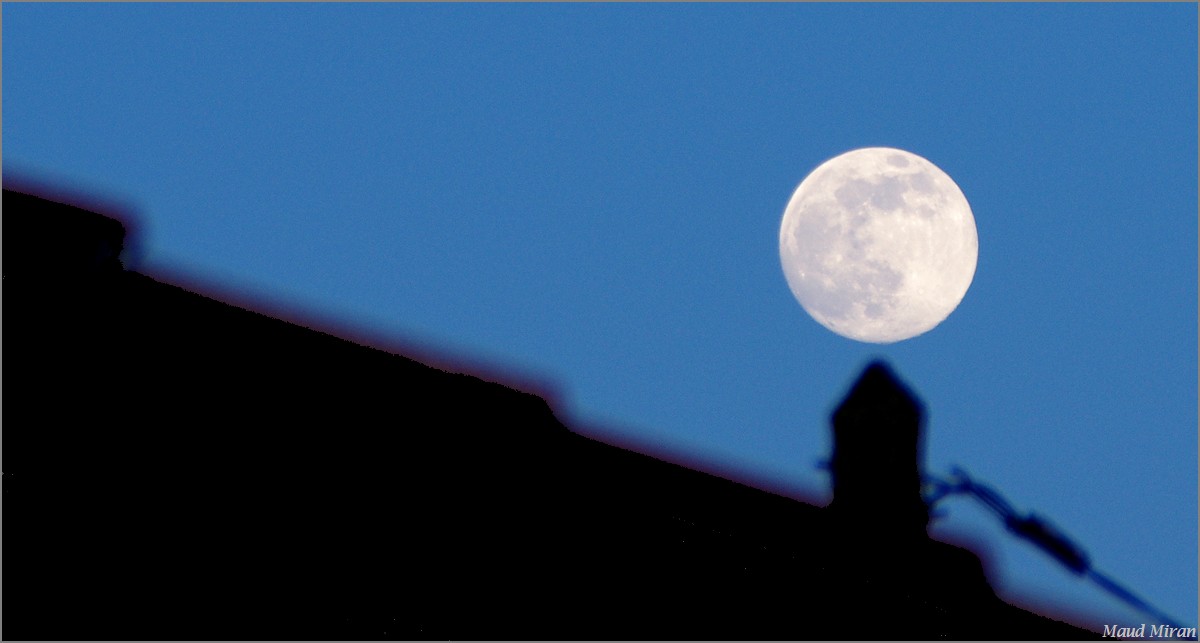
(176,467)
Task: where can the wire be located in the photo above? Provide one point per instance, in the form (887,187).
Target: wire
(1040,532)
(1117,589)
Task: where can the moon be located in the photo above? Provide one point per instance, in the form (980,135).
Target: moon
(878,245)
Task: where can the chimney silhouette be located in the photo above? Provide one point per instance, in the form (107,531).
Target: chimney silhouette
(877,454)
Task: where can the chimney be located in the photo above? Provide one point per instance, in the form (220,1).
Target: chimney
(877,458)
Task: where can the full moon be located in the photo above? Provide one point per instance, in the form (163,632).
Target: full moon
(878,245)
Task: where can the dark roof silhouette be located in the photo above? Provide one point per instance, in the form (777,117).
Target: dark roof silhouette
(176,467)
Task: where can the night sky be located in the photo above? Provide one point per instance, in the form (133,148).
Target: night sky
(589,197)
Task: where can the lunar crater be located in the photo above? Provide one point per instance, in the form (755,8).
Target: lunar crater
(878,245)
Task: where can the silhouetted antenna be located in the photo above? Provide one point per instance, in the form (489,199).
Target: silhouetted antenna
(1038,531)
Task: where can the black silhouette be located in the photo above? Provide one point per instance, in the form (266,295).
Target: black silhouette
(176,467)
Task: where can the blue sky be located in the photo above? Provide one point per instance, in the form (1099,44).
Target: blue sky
(589,196)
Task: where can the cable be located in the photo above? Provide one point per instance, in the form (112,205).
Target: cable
(1117,589)
(1038,531)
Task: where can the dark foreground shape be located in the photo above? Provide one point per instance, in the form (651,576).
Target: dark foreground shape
(179,468)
